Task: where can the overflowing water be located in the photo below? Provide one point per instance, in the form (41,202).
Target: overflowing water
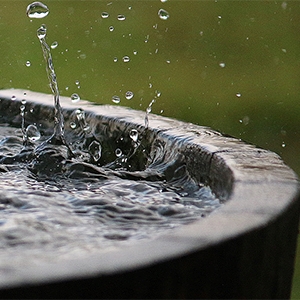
(78,189)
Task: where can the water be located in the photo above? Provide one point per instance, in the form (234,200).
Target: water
(54,206)
(37,10)
(74,191)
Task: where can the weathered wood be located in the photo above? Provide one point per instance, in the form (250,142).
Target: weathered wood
(245,249)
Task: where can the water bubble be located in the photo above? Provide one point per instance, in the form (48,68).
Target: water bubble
(222,64)
(75,98)
(72,125)
(118,152)
(54,45)
(32,133)
(129,95)
(105,15)
(28,63)
(238,95)
(134,135)
(13,98)
(37,10)
(95,150)
(163,14)
(111,28)
(116,99)
(121,17)
(126,58)
(42,31)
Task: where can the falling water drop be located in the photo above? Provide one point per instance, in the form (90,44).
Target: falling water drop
(13,98)
(116,99)
(54,45)
(115,59)
(222,64)
(37,10)
(42,31)
(129,95)
(111,28)
(105,15)
(32,133)
(238,95)
(163,14)
(75,98)
(134,135)
(28,63)
(126,58)
(121,17)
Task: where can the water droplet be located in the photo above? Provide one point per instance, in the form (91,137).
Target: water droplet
(111,28)
(135,52)
(54,45)
(28,63)
(115,59)
(80,114)
(116,99)
(13,98)
(163,14)
(77,82)
(222,64)
(126,58)
(121,17)
(283,145)
(134,135)
(238,95)
(75,98)
(129,95)
(158,93)
(118,152)
(72,125)
(23,101)
(37,10)
(42,31)
(95,150)
(32,133)
(105,15)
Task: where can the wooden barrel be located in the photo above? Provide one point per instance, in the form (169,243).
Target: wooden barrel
(245,249)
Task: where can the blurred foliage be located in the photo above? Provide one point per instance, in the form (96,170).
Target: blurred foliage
(230,65)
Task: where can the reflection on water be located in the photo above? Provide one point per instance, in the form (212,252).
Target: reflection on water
(55,207)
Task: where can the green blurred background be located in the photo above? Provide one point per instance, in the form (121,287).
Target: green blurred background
(230,65)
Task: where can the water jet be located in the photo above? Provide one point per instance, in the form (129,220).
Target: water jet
(244,247)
